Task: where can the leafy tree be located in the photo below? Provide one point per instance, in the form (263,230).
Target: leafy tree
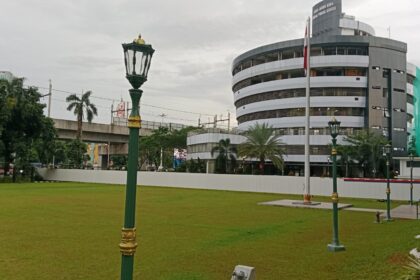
(25,133)
(263,143)
(119,161)
(45,145)
(149,146)
(81,107)
(75,149)
(60,152)
(196,166)
(226,156)
(344,159)
(412,146)
(365,150)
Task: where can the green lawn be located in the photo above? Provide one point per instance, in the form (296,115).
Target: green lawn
(72,230)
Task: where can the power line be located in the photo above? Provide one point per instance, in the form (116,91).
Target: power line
(115,100)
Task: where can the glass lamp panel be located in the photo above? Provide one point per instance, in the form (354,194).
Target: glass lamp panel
(147,64)
(387,149)
(127,63)
(130,61)
(143,64)
(334,127)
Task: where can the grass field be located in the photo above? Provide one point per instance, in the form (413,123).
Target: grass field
(72,230)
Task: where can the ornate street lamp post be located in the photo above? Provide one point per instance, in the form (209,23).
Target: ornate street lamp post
(387,153)
(137,58)
(411,178)
(334,129)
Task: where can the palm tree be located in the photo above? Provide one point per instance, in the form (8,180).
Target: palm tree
(226,154)
(365,147)
(80,106)
(263,143)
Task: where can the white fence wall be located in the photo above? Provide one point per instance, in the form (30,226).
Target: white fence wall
(243,183)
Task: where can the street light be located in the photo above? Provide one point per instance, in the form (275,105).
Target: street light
(137,58)
(334,130)
(387,153)
(411,178)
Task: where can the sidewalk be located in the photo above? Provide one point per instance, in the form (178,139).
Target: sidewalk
(400,212)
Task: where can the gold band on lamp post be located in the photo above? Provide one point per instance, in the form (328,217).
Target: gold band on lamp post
(134,121)
(334,197)
(128,243)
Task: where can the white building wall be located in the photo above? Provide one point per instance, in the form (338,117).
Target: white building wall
(316,121)
(300,102)
(361,61)
(242,183)
(316,82)
(411,69)
(214,138)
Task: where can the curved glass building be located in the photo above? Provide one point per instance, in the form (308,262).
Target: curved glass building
(360,79)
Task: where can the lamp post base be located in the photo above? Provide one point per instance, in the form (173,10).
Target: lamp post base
(307,199)
(335,248)
(388,220)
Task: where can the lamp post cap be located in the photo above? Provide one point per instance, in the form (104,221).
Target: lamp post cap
(139,40)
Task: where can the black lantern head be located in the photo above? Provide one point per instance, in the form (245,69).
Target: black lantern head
(334,127)
(137,58)
(387,149)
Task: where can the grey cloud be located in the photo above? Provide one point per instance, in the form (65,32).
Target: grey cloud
(77,43)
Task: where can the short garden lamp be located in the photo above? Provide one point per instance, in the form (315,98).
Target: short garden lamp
(387,152)
(334,126)
(334,130)
(387,149)
(137,59)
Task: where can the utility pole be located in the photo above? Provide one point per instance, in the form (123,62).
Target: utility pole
(162,116)
(215,121)
(228,119)
(160,168)
(49,99)
(112,112)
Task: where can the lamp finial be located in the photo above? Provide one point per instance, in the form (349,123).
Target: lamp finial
(139,40)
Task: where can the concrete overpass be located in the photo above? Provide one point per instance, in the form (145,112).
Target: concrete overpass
(115,136)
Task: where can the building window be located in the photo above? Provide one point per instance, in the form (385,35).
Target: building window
(300,112)
(399,90)
(293,93)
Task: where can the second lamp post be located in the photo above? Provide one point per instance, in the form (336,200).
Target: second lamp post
(137,58)
(387,153)
(334,129)
(411,178)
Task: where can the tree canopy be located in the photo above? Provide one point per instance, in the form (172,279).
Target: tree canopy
(364,149)
(81,107)
(149,146)
(262,143)
(226,156)
(26,135)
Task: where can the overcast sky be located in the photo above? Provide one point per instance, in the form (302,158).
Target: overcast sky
(77,44)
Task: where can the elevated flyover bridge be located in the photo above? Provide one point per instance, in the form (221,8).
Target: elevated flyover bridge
(115,135)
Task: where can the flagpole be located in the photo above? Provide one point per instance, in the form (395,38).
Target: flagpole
(307,195)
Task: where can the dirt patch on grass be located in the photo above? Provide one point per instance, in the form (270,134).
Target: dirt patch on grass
(398,259)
